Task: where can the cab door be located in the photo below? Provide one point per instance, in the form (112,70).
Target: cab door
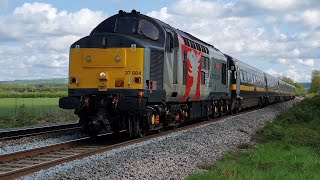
(171,65)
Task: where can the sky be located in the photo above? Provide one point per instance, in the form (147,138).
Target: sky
(279,37)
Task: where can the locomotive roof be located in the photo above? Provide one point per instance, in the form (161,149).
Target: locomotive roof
(183,33)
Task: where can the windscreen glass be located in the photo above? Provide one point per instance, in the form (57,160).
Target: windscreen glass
(134,26)
(148,29)
(126,25)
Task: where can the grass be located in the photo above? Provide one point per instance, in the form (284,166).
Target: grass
(18,112)
(289,149)
(34,106)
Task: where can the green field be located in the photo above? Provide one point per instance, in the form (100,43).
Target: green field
(16,112)
(34,106)
(289,149)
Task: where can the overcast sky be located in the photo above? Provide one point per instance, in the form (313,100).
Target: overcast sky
(280,37)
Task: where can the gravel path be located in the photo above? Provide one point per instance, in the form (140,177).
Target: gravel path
(174,156)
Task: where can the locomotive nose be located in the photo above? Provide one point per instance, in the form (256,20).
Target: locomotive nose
(109,65)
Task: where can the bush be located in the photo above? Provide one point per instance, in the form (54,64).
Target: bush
(299,126)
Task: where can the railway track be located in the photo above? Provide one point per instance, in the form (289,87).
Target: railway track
(21,163)
(25,132)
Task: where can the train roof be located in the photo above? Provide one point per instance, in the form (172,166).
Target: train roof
(245,64)
(183,33)
(286,83)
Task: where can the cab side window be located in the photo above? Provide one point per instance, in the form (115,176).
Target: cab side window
(169,42)
(224,74)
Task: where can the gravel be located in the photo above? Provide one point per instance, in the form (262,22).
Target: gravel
(37,126)
(174,156)
(25,143)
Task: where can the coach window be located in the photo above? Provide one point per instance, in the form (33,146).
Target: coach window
(245,77)
(241,75)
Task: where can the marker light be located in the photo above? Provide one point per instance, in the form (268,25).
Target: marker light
(73,80)
(137,80)
(119,83)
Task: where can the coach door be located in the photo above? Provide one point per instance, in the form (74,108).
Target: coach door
(171,62)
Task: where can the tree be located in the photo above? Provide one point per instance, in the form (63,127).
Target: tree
(288,80)
(299,88)
(315,81)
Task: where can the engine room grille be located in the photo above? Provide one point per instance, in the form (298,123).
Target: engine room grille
(156,67)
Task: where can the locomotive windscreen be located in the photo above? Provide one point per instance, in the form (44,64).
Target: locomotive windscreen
(133,25)
(128,25)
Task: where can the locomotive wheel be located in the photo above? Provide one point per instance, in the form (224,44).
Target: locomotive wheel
(235,109)
(260,103)
(138,128)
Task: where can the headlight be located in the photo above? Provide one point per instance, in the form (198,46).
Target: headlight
(102,76)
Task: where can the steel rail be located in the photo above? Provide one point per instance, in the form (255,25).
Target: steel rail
(25,132)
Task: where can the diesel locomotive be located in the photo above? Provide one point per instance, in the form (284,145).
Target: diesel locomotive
(138,74)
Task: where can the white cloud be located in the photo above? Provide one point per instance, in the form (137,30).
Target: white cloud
(243,35)
(38,37)
(281,37)
(307,62)
(283,61)
(275,5)
(272,72)
(271,19)
(199,8)
(297,75)
(34,19)
(162,14)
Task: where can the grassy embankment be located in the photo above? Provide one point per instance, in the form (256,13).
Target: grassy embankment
(18,112)
(289,149)
(32,102)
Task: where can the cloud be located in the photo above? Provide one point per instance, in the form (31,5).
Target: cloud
(38,37)
(307,62)
(281,37)
(34,19)
(272,72)
(4,4)
(297,75)
(283,61)
(230,27)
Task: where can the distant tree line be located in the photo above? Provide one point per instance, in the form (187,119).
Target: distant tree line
(34,91)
